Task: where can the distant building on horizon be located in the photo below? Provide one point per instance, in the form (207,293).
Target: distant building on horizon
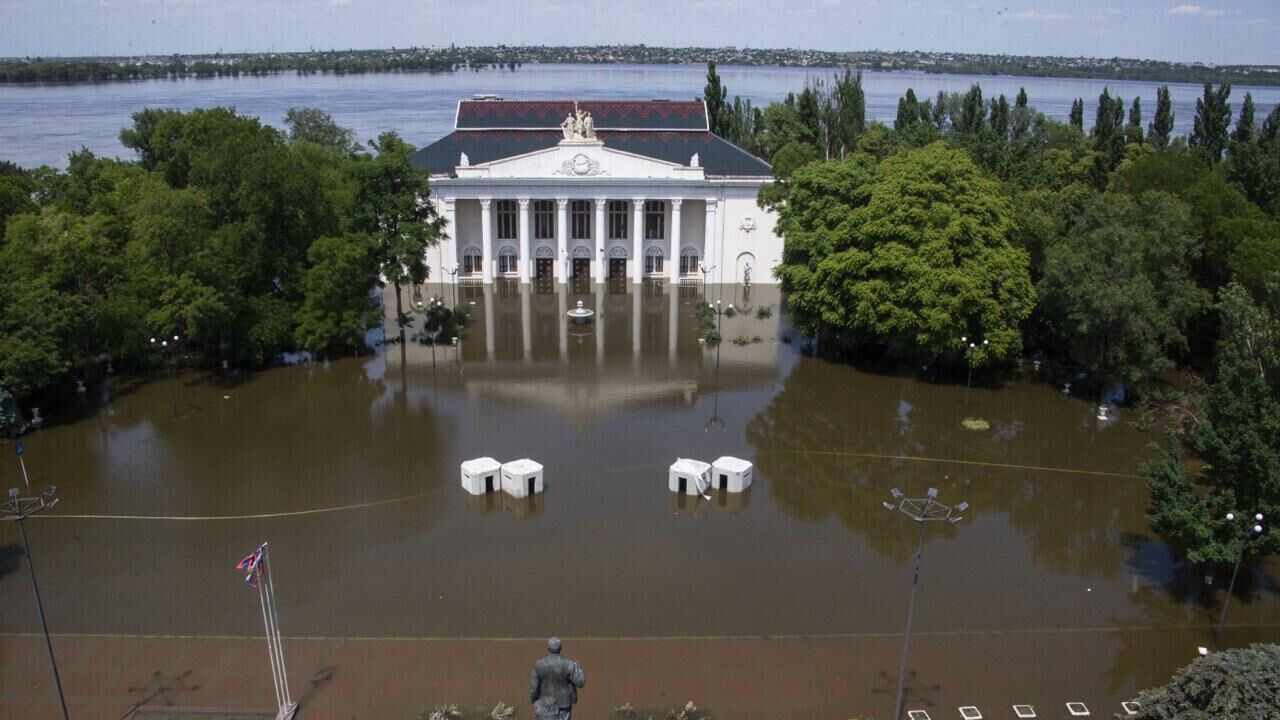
(596,189)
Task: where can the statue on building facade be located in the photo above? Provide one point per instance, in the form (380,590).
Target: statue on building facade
(554,687)
(578,125)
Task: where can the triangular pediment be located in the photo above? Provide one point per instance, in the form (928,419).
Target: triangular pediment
(581,160)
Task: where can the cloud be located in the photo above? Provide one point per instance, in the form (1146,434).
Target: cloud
(1196,10)
(1037,15)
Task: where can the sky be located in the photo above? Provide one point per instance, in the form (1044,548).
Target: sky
(1213,31)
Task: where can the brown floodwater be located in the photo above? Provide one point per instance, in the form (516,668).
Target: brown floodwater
(356,461)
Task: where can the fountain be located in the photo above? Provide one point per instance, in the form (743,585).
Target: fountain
(581,315)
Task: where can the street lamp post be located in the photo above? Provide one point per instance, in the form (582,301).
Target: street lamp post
(1244,534)
(969,347)
(431,324)
(167,349)
(921,510)
(18,509)
(706,276)
(453,273)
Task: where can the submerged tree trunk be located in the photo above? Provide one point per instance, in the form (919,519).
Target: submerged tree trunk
(399,314)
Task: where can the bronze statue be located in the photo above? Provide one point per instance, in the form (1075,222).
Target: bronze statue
(554,687)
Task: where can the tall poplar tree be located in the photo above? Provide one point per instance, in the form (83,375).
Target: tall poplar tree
(715,95)
(908,111)
(1077,113)
(972,111)
(1108,128)
(1213,121)
(1244,126)
(850,110)
(1162,126)
(1133,133)
(1000,117)
(1022,98)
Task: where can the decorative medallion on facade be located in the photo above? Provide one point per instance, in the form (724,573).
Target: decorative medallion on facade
(748,224)
(580,166)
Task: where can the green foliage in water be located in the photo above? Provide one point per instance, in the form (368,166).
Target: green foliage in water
(764,312)
(11,422)
(1238,683)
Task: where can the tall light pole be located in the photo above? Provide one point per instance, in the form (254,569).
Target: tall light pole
(969,347)
(18,508)
(923,511)
(168,349)
(1243,535)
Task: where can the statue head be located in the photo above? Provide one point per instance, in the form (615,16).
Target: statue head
(554,645)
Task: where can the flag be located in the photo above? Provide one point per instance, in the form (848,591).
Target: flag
(250,565)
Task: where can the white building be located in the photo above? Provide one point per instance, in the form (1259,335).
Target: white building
(537,189)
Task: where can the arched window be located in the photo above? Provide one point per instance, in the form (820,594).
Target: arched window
(507,260)
(689,260)
(471,264)
(653,261)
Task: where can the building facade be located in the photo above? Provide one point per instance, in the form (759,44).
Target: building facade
(552,190)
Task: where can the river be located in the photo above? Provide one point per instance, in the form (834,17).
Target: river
(1051,589)
(40,124)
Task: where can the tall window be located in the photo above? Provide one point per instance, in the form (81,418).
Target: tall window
(506,216)
(507,260)
(471,261)
(580,219)
(544,220)
(688,261)
(653,261)
(655,220)
(618,211)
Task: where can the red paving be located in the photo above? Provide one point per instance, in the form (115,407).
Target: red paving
(394,679)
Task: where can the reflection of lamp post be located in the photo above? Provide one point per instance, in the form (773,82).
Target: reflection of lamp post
(17,509)
(1244,534)
(706,275)
(969,347)
(921,510)
(453,273)
(167,349)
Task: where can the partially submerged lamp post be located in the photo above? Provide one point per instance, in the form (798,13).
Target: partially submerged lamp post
(923,511)
(17,508)
(969,347)
(168,349)
(1243,535)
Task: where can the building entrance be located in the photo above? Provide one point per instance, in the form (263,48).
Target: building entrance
(543,268)
(581,268)
(617,268)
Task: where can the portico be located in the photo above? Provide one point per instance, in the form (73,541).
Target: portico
(652,196)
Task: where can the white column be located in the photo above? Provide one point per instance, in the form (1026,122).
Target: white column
(635,324)
(523,260)
(600,324)
(709,251)
(447,248)
(526,324)
(562,301)
(486,241)
(673,269)
(673,322)
(637,240)
(562,242)
(600,232)
(488,321)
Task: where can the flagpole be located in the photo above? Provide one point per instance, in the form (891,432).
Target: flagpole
(275,617)
(271,657)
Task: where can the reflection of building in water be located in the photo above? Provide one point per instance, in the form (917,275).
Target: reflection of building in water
(721,500)
(642,347)
(523,507)
(653,195)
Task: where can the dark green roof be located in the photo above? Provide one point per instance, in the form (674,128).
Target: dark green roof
(719,157)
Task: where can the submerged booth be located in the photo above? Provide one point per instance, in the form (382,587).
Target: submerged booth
(481,476)
(522,478)
(688,477)
(731,474)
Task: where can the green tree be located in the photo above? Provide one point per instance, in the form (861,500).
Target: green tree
(1236,683)
(337,307)
(912,254)
(392,207)
(972,111)
(1021,101)
(1133,133)
(11,423)
(1237,436)
(1117,291)
(314,125)
(1077,114)
(715,95)
(1213,121)
(1244,126)
(850,110)
(1000,117)
(908,111)
(1162,125)
(1108,129)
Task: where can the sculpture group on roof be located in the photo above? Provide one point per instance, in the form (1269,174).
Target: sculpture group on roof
(578,125)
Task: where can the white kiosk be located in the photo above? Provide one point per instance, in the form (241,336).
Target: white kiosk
(481,476)
(522,478)
(731,474)
(689,477)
